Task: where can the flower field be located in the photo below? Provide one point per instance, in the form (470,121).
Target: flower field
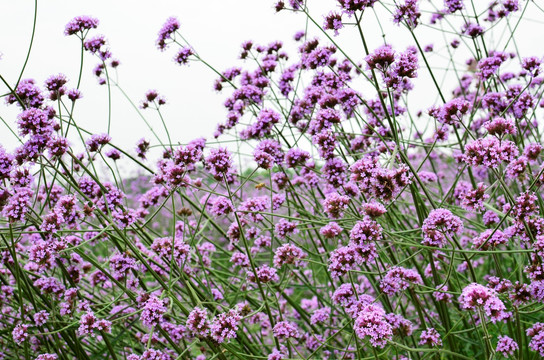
(382,203)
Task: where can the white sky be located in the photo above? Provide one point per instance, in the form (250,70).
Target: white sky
(216,28)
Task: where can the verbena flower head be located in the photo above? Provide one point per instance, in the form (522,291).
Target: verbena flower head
(333,21)
(165,33)
(490,152)
(407,13)
(398,279)
(27,94)
(198,322)
(438,226)
(224,326)
(335,205)
(536,332)
(153,312)
(289,254)
(183,55)
(430,337)
(80,24)
(479,297)
(219,162)
(371,324)
(285,329)
(506,346)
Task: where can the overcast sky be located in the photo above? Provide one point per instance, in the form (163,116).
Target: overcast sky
(215,28)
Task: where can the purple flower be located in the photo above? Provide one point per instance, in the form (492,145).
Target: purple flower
(371,323)
(219,163)
(221,206)
(152,96)
(439,225)
(284,228)
(365,231)
(74,94)
(384,184)
(121,265)
(113,154)
(153,312)
(265,274)
(490,65)
(183,54)
(453,5)
(263,125)
(224,326)
(20,177)
(289,254)
(276,355)
(331,230)
(28,93)
(96,141)
(88,323)
(142,146)
(537,334)
(525,206)
(489,238)
(400,325)
(333,21)
(18,204)
(47,357)
(474,199)
(41,317)
(490,152)
(285,330)
(20,333)
(532,151)
(55,85)
(80,24)
(532,65)
(346,258)
(399,279)
(165,33)
(94,44)
(476,296)
(351,6)
(506,346)
(473,30)
(451,112)
(268,153)
(34,122)
(430,337)
(198,322)
(252,207)
(6,163)
(334,172)
(296,157)
(500,126)
(320,315)
(240,259)
(381,58)
(407,12)
(172,249)
(442,295)
(335,204)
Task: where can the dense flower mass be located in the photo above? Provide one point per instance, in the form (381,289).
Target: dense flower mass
(361,201)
